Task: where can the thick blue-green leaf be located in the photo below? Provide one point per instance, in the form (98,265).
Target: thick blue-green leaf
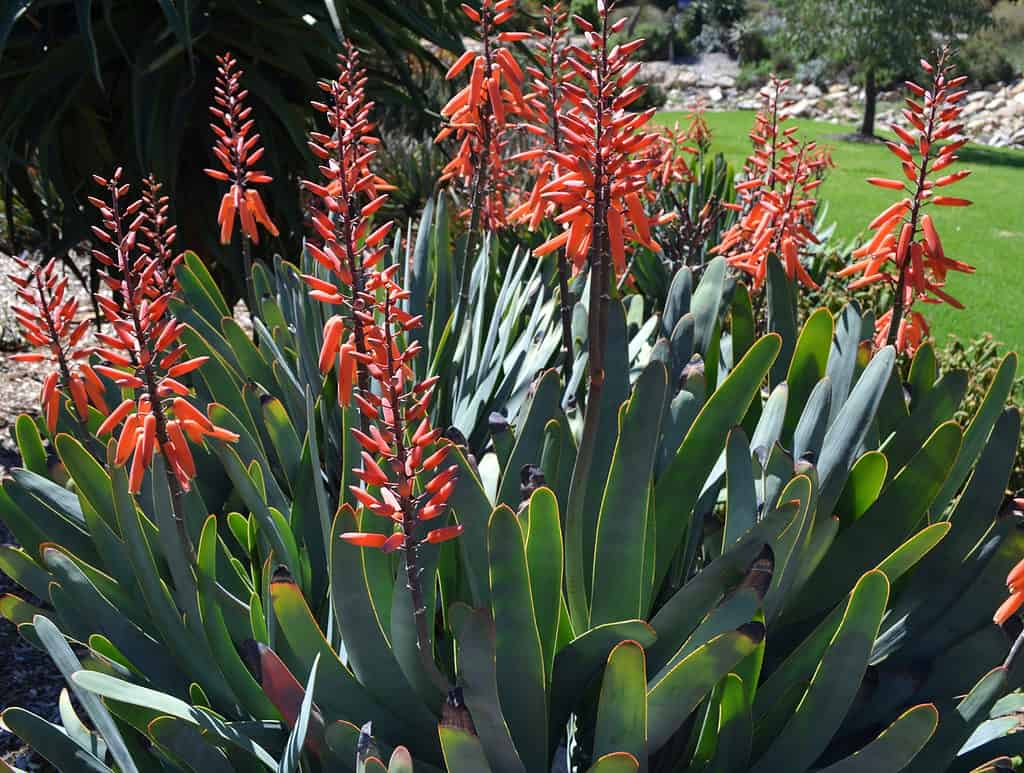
(896,746)
(480,687)
(619,581)
(519,660)
(835,682)
(847,432)
(680,484)
(120,690)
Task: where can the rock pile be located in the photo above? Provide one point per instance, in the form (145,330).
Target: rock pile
(992,117)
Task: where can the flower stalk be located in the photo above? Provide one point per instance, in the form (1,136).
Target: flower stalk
(349,195)
(478,116)
(905,250)
(237,151)
(143,356)
(46,314)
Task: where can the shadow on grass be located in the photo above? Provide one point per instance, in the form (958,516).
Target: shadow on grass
(969,154)
(979,154)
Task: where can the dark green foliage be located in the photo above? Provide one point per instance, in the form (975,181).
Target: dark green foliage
(88,86)
(718,600)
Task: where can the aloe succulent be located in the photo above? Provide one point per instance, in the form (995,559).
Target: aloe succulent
(778,561)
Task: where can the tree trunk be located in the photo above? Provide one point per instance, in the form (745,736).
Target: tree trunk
(867,127)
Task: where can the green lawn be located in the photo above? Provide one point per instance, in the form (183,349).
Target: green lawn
(988,235)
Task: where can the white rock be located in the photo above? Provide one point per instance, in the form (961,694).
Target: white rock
(715,94)
(801,109)
(812,91)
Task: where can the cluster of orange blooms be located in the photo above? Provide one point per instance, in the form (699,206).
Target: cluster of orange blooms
(672,151)
(479,115)
(398,405)
(237,151)
(48,320)
(141,355)
(905,251)
(364,343)
(350,195)
(144,354)
(547,99)
(602,173)
(776,205)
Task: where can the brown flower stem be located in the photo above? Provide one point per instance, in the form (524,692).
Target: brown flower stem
(565,304)
(413,571)
(481,166)
(250,289)
(599,283)
(565,300)
(473,234)
(597,331)
(1018,644)
(356,269)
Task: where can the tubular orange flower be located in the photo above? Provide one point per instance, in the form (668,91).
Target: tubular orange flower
(1015,587)
(905,250)
(237,151)
(144,354)
(776,202)
(47,317)
(349,195)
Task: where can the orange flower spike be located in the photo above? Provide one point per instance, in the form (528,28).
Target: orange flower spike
(237,151)
(479,118)
(398,431)
(344,204)
(47,315)
(603,162)
(144,354)
(157,232)
(921,278)
(777,209)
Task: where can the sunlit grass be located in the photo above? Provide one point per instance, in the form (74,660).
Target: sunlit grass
(989,235)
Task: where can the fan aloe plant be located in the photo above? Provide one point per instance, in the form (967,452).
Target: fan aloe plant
(403,526)
(753,583)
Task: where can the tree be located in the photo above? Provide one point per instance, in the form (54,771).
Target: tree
(882,39)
